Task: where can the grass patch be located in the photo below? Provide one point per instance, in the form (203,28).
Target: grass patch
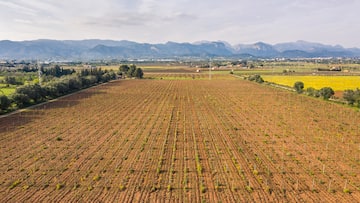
(96,178)
(169,188)
(59,186)
(122,187)
(249,188)
(14,184)
(7,90)
(202,188)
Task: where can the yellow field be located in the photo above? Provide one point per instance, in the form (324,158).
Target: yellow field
(337,83)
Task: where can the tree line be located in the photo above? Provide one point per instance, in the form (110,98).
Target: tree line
(131,71)
(47,74)
(56,71)
(352,97)
(57,82)
(34,93)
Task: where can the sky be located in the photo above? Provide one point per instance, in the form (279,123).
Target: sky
(332,22)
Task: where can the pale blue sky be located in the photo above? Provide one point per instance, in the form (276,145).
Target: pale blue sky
(154,21)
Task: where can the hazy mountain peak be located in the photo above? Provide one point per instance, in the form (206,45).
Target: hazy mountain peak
(91,49)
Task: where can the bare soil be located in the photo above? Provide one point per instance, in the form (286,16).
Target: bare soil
(181,140)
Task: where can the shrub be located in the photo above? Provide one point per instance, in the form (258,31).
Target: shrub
(249,188)
(59,186)
(299,86)
(352,96)
(257,78)
(312,92)
(169,188)
(14,184)
(202,188)
(13,81)
(21,100)
(5,102)
(326,92)
(96,177)
(122,187)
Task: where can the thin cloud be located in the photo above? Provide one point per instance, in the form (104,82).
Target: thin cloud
(23,21)
(17,8)
(123,20)
(236,21)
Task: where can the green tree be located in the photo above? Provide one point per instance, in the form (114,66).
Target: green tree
(326,92)
(357,97)
(312,92)
(57,71)
(5,102)
(33,92)
(131,71)
(299,87)
(349,96)
(112,75)
(352,96)
(138,73)
(106,77)
(51,91)
(257,78)
(124,68)
(21,100)
(62,87)
(12,81)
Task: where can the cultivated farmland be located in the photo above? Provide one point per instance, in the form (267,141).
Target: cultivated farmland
(338,83)
(181,140)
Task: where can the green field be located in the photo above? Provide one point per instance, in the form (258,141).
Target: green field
(337,83)
(7,90)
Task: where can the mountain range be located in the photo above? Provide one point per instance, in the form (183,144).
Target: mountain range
(95,49)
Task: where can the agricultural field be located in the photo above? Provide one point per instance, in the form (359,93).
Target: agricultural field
(308,66)
(337,83)
(28,78)
(7,90)
(192,139)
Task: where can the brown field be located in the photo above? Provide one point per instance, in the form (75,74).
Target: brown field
(181,140)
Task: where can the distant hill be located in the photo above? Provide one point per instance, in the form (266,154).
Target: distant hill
(258,49)
(110,49)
